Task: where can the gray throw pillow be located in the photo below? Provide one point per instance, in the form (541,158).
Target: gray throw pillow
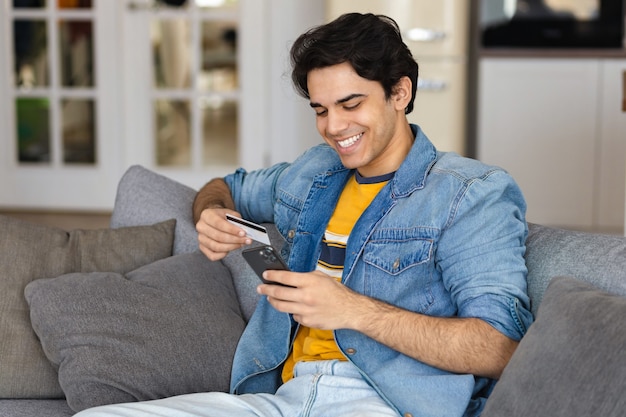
(30,251)
(571,361)
(165,329)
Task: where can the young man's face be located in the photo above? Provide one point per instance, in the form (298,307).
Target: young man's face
(370,133)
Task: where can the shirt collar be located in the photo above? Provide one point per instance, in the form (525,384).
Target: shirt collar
(413,171)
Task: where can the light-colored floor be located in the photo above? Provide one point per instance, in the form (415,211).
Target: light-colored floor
(63,220)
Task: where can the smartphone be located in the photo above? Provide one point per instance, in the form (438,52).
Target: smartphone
(262,258)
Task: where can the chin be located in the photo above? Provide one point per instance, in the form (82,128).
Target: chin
(351,163)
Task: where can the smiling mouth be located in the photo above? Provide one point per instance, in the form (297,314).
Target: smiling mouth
(350,141)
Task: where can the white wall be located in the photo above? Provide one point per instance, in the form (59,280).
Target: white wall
(292,121)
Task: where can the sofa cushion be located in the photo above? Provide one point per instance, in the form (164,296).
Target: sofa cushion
(32,408)
(570,363)
(595,258)
(30,251)
(165,329)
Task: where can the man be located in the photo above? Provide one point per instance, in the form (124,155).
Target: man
(407,291)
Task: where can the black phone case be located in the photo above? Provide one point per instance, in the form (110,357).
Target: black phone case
(262,258)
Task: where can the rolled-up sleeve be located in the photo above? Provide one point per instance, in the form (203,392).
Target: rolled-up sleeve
(254,193)
(481,254)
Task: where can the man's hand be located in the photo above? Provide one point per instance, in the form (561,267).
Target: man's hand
(216,236)
(317,300)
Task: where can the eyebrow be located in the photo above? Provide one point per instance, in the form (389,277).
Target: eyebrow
(340,101)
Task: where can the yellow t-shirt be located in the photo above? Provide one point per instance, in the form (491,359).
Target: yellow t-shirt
(316,344)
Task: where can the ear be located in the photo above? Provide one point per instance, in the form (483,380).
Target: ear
(402,91)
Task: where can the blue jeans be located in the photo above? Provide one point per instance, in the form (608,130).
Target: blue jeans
(323,388)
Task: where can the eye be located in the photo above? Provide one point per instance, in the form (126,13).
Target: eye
(321,112)
(352,106)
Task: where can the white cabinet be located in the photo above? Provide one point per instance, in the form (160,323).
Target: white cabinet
(557,125)
(437,34)
(430,28)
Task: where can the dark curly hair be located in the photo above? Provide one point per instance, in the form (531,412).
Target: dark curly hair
(372,44)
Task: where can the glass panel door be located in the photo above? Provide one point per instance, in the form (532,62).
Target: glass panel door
(54,73)
(184,96)
(211,87)
(54,155)
(189,88)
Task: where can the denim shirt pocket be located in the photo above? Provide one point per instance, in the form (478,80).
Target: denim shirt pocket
(399,267)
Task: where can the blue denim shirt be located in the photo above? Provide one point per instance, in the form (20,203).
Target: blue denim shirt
(445,237)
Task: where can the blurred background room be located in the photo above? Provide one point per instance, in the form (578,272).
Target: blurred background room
(194,89)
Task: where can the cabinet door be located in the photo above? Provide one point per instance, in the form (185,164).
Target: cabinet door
(440,103)
(537,119)
(430,28)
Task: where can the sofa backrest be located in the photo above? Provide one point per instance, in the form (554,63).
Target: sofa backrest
(599,259)
(595,258)
(550,252)
(145,197)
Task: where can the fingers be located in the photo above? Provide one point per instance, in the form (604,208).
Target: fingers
(315,299)
(282,294)
(216,236)
(283,277)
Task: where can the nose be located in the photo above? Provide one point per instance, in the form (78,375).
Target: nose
(336,123)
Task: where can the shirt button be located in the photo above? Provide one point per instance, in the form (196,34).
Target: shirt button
(291,234)
(408,415)
(351,351)
(396,263)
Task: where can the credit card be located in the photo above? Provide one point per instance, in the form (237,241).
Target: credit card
(253,231)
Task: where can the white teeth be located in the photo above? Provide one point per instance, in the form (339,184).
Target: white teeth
(350,141)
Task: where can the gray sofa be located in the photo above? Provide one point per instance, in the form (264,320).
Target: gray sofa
(136,312)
